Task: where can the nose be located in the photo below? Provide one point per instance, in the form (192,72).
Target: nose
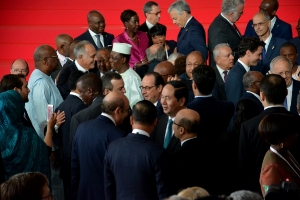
(174,21)
(124,90)
(231,56)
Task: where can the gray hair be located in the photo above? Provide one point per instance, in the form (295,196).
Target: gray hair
(80,48)
(216,50)
(148,6)
(180,6)
(280,58)
(159,55)
(248,79)
(245,195)
(230,5)
(174,56)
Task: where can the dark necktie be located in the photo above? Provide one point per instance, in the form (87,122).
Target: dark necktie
(99,44)
(168,133)
(263,53)
(236,29)
(225,75)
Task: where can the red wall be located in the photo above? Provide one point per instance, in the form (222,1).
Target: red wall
(25,24)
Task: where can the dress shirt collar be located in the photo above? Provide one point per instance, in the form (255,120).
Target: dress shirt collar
(76,94)
(188,21)
(244,65)
(149,25)
(256,95)
(155,103)
(62,58)
(79,67)
(274,106)
(227,19)
(204,96)
(93,33)
(188,140)
(267,42)
(221,71)
(273,21)
(109,117)
(141,132)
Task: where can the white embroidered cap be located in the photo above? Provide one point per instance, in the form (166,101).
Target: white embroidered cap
(123,48)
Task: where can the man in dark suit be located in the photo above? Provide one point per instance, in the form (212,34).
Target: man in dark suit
(252,147)
(184,166)
(96,34)
(90,89)
(289,50)
(283,67)
(224,60)
(173,99)
(143,177)
(279,28)
(90,144)
(71,105)
(18,83)
(261,24)
(152,13)
(296,41)
(223,29)
(250,50)
(192,34)
(85,56)
(102,61)
(251,82)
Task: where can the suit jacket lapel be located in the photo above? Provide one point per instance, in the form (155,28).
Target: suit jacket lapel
(183,31)
(271,48)
(230,26)
(91,38)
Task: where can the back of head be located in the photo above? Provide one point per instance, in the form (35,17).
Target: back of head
(127,14)
(245,195)
(112,101)
(174,56)
(274,88)
(204,77)
(155,51)
(148,6)
(165,68)
(180,90)
(73,78)
(193,193)
(91,81)
(144,112)
(40,53)
(249,78)
(106,80)
(26,186)
(249,43)
(180,6)
(180,65)
(230,6)
(274,128)
(11,81)
(158,30)
(61,39)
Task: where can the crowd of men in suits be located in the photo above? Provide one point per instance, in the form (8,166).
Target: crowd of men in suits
(147,133)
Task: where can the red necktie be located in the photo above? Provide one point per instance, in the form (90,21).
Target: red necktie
(236,29)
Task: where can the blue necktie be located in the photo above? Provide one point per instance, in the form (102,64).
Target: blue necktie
(168,133)
(263,53)
(285,104)
(99,44)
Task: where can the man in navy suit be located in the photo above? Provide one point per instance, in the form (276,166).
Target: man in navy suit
(173,99)
(251,82)
(261,24)
(71,105)
(283,67)
(135,167)
(289,50)
(192,35)
(279,28)
(89,146)
(296,41)
(223,29)
(224,60)
(250,50)
(85,55)
(96,34)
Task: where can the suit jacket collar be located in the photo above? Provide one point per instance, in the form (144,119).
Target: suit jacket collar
(275,110)
(229,25)
(105,119)
(184,30)
(271,48)
(139,136)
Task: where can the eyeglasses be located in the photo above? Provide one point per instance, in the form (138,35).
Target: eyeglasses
(157,13)
(20,70)
(177,124)
(259,24)
(147,88)
(50,196)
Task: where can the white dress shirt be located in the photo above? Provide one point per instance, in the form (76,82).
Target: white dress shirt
(93,34)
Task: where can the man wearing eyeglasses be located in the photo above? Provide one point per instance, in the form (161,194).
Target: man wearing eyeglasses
(19,66)
(96,34)
(152,13)
(278,27)
(261,25)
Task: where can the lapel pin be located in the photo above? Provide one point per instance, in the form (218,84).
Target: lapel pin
(186,29)
(272,47)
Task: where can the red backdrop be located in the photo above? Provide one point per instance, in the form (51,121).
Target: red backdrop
(24,25)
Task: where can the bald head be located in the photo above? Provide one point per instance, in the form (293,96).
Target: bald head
(63,42)
(269,7)
(165,69)
(19,66)
(188,123)
(155,51)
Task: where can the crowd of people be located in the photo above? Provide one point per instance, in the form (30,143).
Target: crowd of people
(138,116)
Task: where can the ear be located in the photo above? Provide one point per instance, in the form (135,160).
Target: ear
(17,89)
(124,60)
(194,86)
(262,96)
(131,120)
(248,52)
(90,92)
(154,123)
(160,87)
(182,101)
(106,92)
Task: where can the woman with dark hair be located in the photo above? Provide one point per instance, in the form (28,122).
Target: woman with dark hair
(158,35)
(281,132)
(137,39)
(22,149)
(26,186)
